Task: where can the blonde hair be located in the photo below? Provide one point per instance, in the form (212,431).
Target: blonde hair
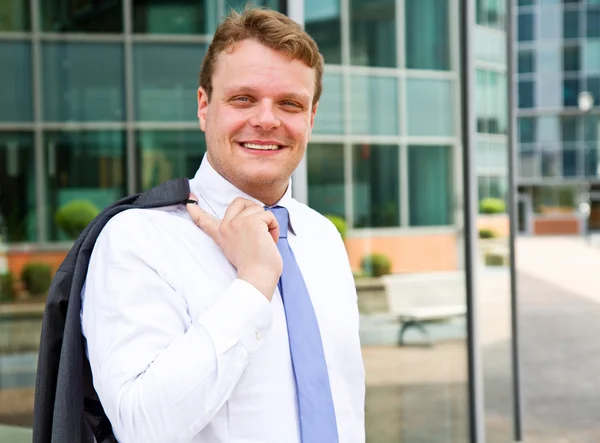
(269,28)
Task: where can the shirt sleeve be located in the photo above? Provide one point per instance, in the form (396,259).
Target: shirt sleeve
(160,375)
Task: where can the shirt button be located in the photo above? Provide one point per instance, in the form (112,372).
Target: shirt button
(258,335)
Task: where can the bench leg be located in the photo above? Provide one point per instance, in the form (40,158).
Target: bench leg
(416,324)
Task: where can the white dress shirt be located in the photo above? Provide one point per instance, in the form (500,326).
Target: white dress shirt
(183,351)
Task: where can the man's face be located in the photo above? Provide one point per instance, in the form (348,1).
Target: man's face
(259,118)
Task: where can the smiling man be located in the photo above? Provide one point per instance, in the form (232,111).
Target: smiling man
(234,319)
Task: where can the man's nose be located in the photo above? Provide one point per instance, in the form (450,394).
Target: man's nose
(265,116)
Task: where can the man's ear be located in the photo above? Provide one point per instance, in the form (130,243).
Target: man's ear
(202,108)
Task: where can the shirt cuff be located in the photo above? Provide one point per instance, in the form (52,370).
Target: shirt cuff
(242,314)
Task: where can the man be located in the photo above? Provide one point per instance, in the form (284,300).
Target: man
(245,330)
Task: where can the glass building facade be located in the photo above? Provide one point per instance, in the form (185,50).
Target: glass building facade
(558,59)
(99,101)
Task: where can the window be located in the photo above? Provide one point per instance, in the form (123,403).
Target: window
(374,105)
(527,129)
(551,164)
(164,155)
(326,186)
(322,21)
(571,59)
(17,187)
(569,128)
(427,34)
(571,24)
(492,105)
(15,82)
(430,185)
(81,16)
(166,81)
(373,33)
(167,17)
(430,107)
(590,162)
(526,61)
(570,162)
(491,13)
(591,58)
(591,126)
(551,22)
(526,95)
(330,114)
(593,86)
(526,2)
(525,27)
(14,16)
(375,186)
(593,22)
(74,86)
(571,90)
(83,165)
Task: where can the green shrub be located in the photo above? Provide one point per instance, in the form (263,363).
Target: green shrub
(487,233)
(74,216)
(340,224)
(7,287)
(36,277)
(492,206)
(376,265)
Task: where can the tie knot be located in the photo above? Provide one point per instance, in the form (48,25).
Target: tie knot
(283,218)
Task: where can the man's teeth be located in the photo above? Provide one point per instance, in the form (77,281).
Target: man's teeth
(260,147)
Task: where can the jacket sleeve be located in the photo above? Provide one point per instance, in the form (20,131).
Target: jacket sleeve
(161,376)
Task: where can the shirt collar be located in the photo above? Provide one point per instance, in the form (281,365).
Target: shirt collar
(214,190)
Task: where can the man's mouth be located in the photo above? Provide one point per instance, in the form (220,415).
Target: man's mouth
(260,147)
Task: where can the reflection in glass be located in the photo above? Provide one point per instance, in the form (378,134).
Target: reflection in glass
(330,113)
(430,107)
(74,87)
(180,17)
(326,186)
(525,27)
(17,187)
(492,105)
(526,94)
(593,22)
(374,105)
(373,33)
(427,34)
(570,162)
(571,58)
(591,57)
(526,61)
(15,82)
(322,22)
(14,15)
(527,129)
(491,13)
(431,190)
(88,16)
(591,163)
(83,165)
(571,90)
(375,185)
(164,155)
(166,81)
(569,125)
(551,164)
(571,24)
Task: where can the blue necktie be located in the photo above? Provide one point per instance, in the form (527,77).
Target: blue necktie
(315,403)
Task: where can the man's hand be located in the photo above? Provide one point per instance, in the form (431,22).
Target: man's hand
(247,235)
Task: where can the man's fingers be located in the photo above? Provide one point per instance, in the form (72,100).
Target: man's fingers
(236,207)
(202,219)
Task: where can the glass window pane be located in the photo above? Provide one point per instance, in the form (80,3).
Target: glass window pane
(526,95)
(375,172)
(525,27)
(490,45)
(374,105)
(498,187)
(571,24)
(325,170)
(430,185)
(591,163)
(89,166)
(529,161)
(330,113)
(527,129)
(591,58)
(551,164)
(526,61)
(491,13)
(373,33)
(593,86)
(569,128)
(551,22)
(166,81)
(17,187)
(548,130)
(168,17)
(571,59)
(15,82)
(239,5)
(427,34)
(593,22)
(481,101)
(430,107)
(79,16)
(74,87)
(525,2)
(14,16)
(571,90)
(164,155)
(322,21)
(570,162)
(591,127)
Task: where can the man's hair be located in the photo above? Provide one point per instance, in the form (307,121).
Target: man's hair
(269,28)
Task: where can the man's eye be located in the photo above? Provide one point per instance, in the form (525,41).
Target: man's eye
(295,105)
(241,99)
